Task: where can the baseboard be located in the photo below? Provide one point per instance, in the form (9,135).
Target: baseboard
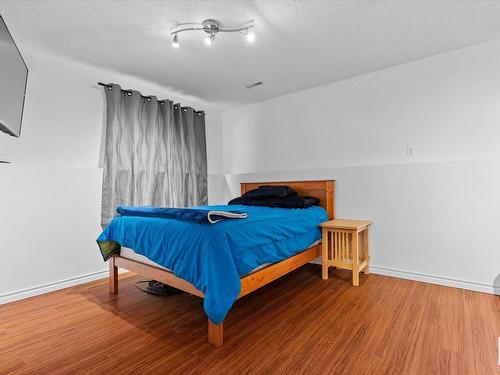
(57,285)
(439,280)
(432,279)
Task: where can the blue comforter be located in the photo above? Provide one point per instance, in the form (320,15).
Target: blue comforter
(214,257)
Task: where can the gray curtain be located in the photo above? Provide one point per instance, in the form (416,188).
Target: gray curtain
(155,153)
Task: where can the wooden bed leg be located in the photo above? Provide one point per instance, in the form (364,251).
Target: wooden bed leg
(215,333)
(113,276)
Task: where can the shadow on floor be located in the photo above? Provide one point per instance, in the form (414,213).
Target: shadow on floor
(180,319)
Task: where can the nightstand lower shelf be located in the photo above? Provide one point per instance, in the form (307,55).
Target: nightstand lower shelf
(346,264)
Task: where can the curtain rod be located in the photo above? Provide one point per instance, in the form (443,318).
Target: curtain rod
(148,97)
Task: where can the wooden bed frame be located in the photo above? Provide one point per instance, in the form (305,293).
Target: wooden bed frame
(324,190)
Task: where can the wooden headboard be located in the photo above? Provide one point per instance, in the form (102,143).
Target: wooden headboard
(324,190)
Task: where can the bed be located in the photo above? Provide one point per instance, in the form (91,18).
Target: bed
(254,277)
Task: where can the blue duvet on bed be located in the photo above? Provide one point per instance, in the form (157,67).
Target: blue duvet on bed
(214,257)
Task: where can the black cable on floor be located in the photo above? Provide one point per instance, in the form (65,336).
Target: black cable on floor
(156,288)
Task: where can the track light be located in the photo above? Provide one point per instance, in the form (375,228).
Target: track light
(212,28)
(175,43)
(250,37)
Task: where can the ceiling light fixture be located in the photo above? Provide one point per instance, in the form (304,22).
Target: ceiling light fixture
(211,27)
(175,43)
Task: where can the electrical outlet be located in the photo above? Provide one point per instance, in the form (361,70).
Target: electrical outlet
(410,152)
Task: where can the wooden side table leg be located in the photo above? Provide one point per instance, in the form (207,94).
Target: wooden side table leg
(355,259)
(366,256)
(324,254)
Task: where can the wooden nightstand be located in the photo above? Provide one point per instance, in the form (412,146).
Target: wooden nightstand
(341,244)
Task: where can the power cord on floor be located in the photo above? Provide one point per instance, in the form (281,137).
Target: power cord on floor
(156,288)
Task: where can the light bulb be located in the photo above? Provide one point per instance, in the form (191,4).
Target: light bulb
(250,37)
(209,40)
(175,43)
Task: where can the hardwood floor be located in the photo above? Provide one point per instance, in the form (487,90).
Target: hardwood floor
(298,324)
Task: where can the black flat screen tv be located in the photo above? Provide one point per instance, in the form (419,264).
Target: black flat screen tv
(13,79)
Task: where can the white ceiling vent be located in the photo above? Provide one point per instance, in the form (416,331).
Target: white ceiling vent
(252,85)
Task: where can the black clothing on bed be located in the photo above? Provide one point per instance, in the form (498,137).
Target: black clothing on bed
(293,201)
(267,191)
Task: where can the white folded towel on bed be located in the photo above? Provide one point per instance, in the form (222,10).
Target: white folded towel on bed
(215,216)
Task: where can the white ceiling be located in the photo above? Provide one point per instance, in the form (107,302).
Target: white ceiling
(300,44)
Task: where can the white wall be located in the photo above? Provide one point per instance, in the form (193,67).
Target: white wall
(50,194)
(435,214)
